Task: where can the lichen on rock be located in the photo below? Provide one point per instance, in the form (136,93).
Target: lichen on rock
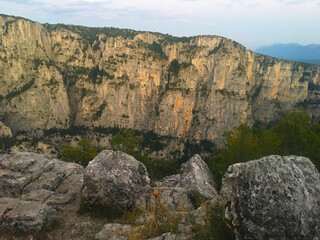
(273,198)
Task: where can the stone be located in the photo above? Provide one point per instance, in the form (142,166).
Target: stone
(114,231)
(24,216)
(171,236)
(195,175)
(115,181)
(33,177)
(174,191)
(273,198)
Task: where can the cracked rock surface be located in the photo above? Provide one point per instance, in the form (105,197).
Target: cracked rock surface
(273,198)
(33,187)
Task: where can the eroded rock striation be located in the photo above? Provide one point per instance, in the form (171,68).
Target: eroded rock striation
(273,198)
(57,76)
(115,181)
(33,187)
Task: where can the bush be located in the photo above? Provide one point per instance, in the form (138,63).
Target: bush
(7,142)
(196,198)
(159,168)
(292,135)
(82,154)
(160,221)
(131,143)
(215,225)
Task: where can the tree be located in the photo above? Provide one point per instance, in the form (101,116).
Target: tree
(82,154)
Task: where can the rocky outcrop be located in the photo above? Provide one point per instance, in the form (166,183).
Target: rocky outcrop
(195,175)
(270,198)
(175,190)
(57,76)
(33,177)
(24,216)
(32,187)
(273,198)
(114,231)
(115,181)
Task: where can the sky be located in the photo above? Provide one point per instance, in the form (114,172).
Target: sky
(253,23)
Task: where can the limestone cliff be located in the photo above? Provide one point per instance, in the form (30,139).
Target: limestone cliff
(55,76)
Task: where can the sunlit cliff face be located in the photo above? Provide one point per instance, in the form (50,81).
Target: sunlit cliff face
(54,76)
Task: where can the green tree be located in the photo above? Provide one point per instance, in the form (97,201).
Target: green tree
(81,154)
(126,140)
(293,135)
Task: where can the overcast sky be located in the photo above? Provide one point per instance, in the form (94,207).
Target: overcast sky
(252,23)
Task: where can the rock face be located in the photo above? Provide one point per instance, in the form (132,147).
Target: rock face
(273,198)
(32,187)
(195,175)
(114,231)
(115,181)
(55,76)
(24,216)
(175,190)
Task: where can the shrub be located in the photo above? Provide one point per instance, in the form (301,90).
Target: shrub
(7,142)
(174,67)
(160,221)
(196,198)
(292,135)
(215,225)
(82,154)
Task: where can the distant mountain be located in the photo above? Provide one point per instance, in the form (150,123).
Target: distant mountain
(294,52)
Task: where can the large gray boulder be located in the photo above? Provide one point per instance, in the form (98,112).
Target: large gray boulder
(24,216)
(33,177)
(115,181)
(195,175)
(273,198)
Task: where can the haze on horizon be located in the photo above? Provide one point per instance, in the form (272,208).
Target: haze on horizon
(252,23)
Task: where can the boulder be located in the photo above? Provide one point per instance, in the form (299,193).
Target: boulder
(114,231)
(175,191)
(273,198)
(195,175)
(33,177)
(24,216)
(115,181)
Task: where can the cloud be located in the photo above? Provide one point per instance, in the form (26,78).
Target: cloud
(242,20)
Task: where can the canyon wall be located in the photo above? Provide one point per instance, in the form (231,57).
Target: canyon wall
(57,76)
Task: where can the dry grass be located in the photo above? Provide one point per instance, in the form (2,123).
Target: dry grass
(160,221)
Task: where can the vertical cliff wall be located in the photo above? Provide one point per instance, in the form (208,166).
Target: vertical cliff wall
(54,76)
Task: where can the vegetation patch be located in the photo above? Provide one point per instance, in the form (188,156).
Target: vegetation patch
(98,114)
(157,49)
(292,135)
(23,89)
(91,34)
(196,198)
(160,221)
(81,154)
(215,227)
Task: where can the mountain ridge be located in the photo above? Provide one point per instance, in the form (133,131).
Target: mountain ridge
(292,51)
(194,88)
